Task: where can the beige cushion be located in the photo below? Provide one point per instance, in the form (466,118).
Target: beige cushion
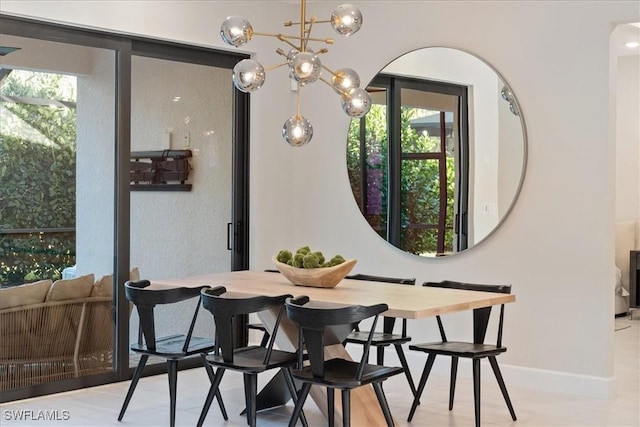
(625,242)
(31,293)
(104,286)
(79,287)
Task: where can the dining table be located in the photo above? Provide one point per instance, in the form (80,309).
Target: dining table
(408,302)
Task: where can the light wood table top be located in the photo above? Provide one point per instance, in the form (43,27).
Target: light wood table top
(410,302)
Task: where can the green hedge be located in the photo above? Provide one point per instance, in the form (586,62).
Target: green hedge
(420,201)
(38,191)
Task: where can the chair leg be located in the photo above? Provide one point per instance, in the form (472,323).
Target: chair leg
(134,383)
(304,392)
(503,387)
(405,366)
(251,391)
(172,371)
(476,390)
(211,375)
(294,393)
(346,408)
(383,403)
(452,381)
(380,355)
(423,380)
(331,407)
(213,391)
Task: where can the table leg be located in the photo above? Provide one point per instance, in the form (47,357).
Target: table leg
(275,393)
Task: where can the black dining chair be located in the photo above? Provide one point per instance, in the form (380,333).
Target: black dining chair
(385,338)
(259,326)
(172,348)
(321,325)
(475,350)
(250,360)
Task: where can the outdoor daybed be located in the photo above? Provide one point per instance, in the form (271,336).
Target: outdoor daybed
(54,331)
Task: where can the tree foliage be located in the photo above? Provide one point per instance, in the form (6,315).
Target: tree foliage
(420,181)
(37,171)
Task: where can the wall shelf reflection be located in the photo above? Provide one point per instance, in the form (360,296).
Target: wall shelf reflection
(162,170)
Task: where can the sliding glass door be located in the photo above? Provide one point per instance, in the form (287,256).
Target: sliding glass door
(80,111)
(57,133)
(181,166)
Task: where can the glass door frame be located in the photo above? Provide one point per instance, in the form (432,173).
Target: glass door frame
(394,84)
(124,47)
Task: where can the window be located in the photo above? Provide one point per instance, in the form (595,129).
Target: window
(408,164)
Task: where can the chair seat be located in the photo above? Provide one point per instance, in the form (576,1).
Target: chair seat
(459,349)
(341,374)
(171,346)
(250,359)
(378,339)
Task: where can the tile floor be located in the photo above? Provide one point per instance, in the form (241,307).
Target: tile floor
(99,406)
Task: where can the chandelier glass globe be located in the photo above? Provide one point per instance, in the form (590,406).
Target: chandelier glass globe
(302,63)
(297,131)
(345,79)
(236,31)
(305,67)
(248,75)
(506,94)
(293,52)
(356,103)
(346,19)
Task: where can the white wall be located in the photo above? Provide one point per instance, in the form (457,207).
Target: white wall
(628,139)
(95,165)
(556,247)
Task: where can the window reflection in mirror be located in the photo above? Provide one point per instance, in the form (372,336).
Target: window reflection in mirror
(437,163)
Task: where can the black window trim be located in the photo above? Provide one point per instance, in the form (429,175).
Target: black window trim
(393,85)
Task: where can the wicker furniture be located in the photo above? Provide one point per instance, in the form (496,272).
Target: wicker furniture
(55,340)
(51,331)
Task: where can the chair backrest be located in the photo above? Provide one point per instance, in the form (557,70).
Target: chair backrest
(322,325)
(145,301)
(225,307)
(388,322)
(399,280)
(480,315)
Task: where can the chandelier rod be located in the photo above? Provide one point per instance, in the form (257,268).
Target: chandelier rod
(291,23)
(284,37)
(303,18)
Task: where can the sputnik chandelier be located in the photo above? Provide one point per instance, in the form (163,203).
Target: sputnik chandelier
(303,63)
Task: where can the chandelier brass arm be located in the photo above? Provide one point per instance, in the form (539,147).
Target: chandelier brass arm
(304,65)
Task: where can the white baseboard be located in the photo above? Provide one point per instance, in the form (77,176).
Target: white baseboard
(536,379)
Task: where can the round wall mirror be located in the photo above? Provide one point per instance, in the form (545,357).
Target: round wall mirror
(438,162)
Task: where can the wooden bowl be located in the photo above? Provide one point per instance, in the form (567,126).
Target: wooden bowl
(323,277)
